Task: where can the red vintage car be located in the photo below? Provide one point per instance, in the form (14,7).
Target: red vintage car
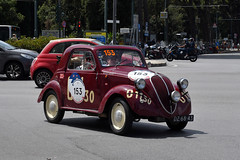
(46,63)
(114,82)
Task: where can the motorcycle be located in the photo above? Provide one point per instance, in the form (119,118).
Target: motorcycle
(174,53)
(156,52)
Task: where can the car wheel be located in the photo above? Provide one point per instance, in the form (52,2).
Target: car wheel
(169,57)
(176,125)
(14,70)
(42,77)
(51,108)
(120,117)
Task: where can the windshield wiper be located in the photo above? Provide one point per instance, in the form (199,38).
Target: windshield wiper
(120,62)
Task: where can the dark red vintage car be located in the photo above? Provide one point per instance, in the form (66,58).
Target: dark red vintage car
(114,82)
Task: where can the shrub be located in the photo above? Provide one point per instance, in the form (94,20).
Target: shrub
(36,44)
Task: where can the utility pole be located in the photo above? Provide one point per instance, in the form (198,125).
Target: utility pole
(114,27)
(165,24)
(35,19)
(59,16)
(105,17)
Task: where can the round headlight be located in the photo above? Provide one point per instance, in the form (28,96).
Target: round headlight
(175,95)
(140,83)
(182,83)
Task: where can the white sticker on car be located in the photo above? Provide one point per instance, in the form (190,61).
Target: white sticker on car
(133,75)
(76,88)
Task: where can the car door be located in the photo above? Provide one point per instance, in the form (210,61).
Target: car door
(56,52)
(81,89)
(3,59)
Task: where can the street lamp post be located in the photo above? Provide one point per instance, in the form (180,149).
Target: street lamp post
(114,28)
(105,18)
(165,24)
(35,19)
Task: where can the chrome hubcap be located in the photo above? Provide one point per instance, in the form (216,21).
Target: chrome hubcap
(52,106)
(118,116)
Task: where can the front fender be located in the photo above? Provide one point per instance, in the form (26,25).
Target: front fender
(52,85)
(120,90)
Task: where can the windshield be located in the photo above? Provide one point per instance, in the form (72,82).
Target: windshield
(98,42)
(120,57)
(6,46)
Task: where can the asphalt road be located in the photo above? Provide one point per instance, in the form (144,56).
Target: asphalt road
(215,134)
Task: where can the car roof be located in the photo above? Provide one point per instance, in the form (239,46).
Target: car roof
(98,47)
(72,39)
(68,51)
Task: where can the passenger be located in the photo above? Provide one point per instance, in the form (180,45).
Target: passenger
(191,46)
(184,48)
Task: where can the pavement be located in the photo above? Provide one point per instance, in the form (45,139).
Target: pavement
(163,62)
(230,50)
(156,62)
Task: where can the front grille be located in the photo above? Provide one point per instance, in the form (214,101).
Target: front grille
(163,88)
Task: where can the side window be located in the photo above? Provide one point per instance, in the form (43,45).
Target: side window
(81,60)
(79,42)
(58,48)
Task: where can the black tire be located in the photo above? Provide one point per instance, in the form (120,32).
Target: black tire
(149,56)
(193,58)
(120,117)
(51,108)
(42,77)
(169,57)
(14,70)
(177,126)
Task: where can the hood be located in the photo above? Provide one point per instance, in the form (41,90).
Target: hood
(24,51)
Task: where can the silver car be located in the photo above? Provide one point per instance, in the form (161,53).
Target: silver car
(15,62)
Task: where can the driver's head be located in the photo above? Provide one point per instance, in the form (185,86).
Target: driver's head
(111,60)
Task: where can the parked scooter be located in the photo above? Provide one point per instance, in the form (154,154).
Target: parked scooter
(155,52)
(174,53)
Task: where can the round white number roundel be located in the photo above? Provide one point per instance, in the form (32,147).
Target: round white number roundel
(76,88)
(133,75)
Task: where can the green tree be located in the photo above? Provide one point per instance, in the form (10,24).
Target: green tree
(73,12)
(47,15)
(8,13)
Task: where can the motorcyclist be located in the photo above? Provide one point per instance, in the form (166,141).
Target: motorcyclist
(184,48)
(191,46)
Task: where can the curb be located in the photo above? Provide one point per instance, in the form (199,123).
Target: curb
(156,63)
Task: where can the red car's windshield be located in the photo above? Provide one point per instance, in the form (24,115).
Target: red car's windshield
(120,57)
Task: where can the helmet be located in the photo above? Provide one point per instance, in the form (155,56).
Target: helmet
(185,39)
(191,39)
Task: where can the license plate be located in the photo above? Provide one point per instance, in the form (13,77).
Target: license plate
(183,118)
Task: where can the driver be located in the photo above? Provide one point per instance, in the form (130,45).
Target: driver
(112,60)
(184,48)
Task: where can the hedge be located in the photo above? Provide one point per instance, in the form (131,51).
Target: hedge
(36,44)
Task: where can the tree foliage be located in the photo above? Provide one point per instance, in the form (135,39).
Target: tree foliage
(196,18)
(8,13)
